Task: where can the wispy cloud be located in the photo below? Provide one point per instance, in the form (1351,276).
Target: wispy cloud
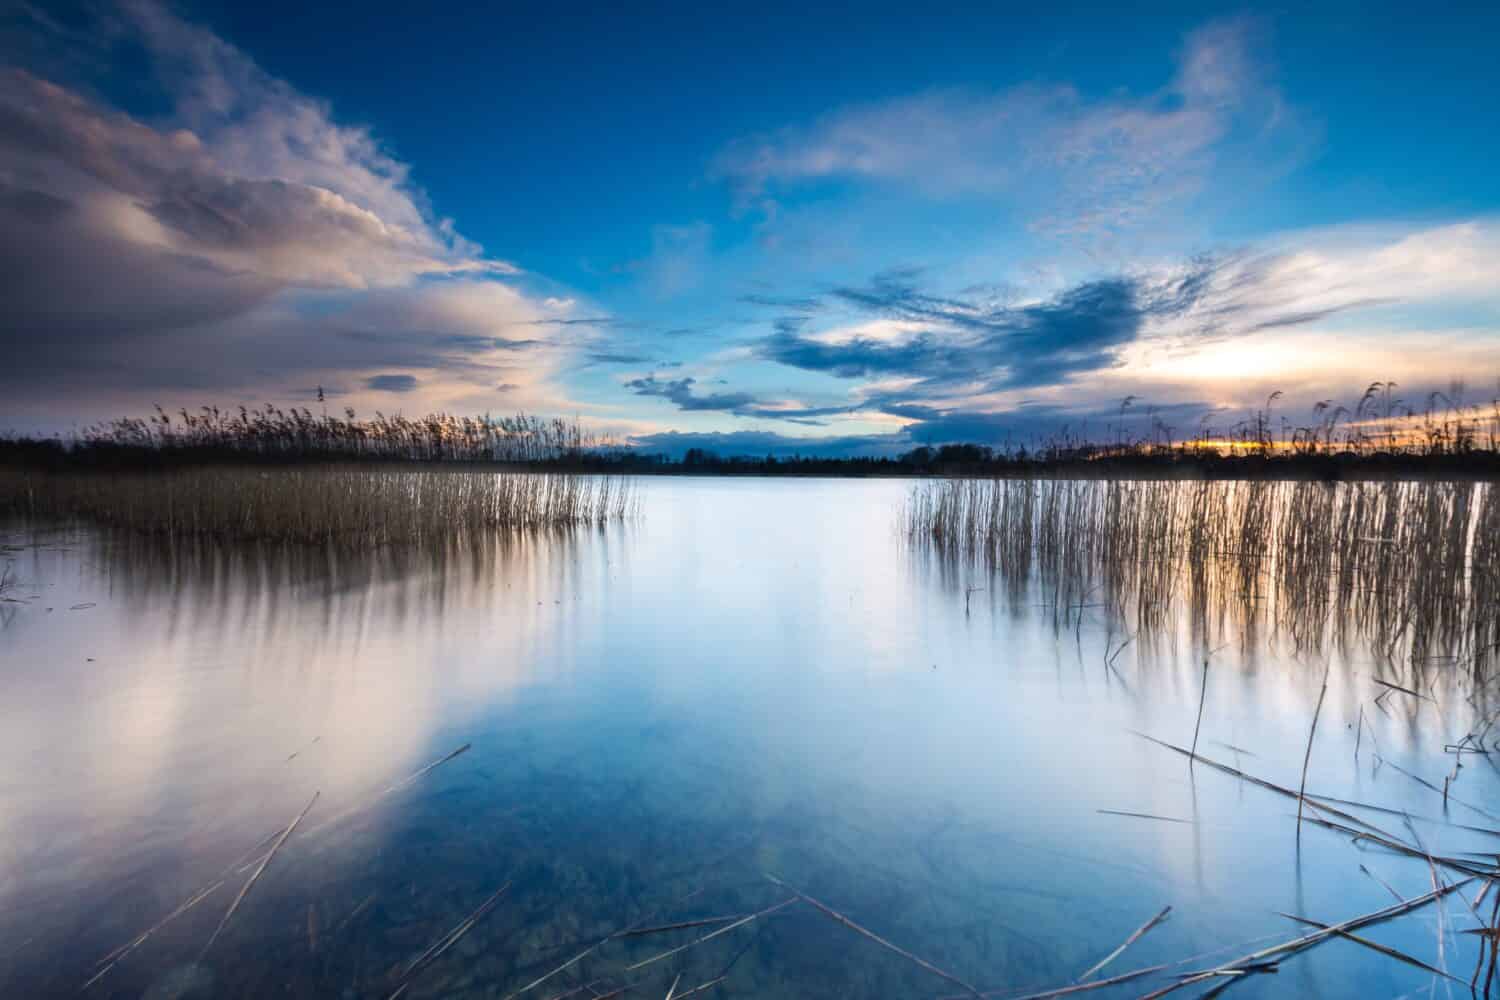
(954,364)
(1081,163)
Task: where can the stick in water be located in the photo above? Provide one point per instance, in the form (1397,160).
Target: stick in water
(1307,757)
(838,917)
(250,882)
(585,953)
(713,934)
(1139,933)
(1202,697)
(441,945)
(1256,960)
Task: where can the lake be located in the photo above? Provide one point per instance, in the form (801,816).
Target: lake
(752,678)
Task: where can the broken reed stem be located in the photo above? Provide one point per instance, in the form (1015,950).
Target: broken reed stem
(672,990)
(1135,936)
(1202,697)
(840,918)
(388,790)
(1390,952)
(713,934)
(1063,991)
(242,864)
(700,989)
(684,925)
(1307,757)
(439,947)
(250,882)
(1139,815)
(626,932)
(1371,832)
(113,958)
(1244,964)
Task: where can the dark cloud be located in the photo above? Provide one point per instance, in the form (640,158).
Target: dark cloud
(674,444)
(243,241)
(989,347)
(680,392)
(1032,424)
(741,404)
(1024,426)
(472,342)
(862,356)
(391,383)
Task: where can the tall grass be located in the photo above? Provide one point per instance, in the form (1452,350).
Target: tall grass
(345,504)
(1412,567)
(270,432)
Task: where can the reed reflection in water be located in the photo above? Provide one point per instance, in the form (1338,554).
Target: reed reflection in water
(755,677)
(1409,569)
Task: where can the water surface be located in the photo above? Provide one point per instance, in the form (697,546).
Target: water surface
(755,676)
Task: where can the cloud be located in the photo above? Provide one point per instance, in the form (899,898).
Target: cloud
(988,347)
(681,392)
(1083,164)
(616,358)
(800,303)
(391,383)
(182,200)
(1026,426)
(925,355)
(244,239)
(761,443)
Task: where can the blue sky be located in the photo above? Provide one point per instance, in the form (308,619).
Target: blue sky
(835,230)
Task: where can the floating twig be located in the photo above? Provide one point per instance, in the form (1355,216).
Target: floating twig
(1069,990)
(838,917)
(1202,697)
(713,934)
(113,958)
(593,948)
(1135,936)
(700,989)
(1255,961)
(441,945)
(250,882)
(1136,815)
(683,925)
(1307,757)
(1386,950)
(388,790)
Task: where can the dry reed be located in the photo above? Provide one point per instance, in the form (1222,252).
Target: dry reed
(340,504)
(1412,568)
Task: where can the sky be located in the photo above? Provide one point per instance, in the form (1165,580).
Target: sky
(844,230)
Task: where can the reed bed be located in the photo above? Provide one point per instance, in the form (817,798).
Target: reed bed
(269,432)
(342,504)
(1411,567)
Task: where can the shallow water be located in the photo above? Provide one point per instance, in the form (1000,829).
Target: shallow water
(755,676)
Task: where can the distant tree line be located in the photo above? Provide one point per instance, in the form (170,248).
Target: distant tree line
(1378,436)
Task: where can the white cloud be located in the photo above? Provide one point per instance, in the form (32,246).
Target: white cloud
(247,241)
(1080,163)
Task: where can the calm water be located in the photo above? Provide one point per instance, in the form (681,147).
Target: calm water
(756,676)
